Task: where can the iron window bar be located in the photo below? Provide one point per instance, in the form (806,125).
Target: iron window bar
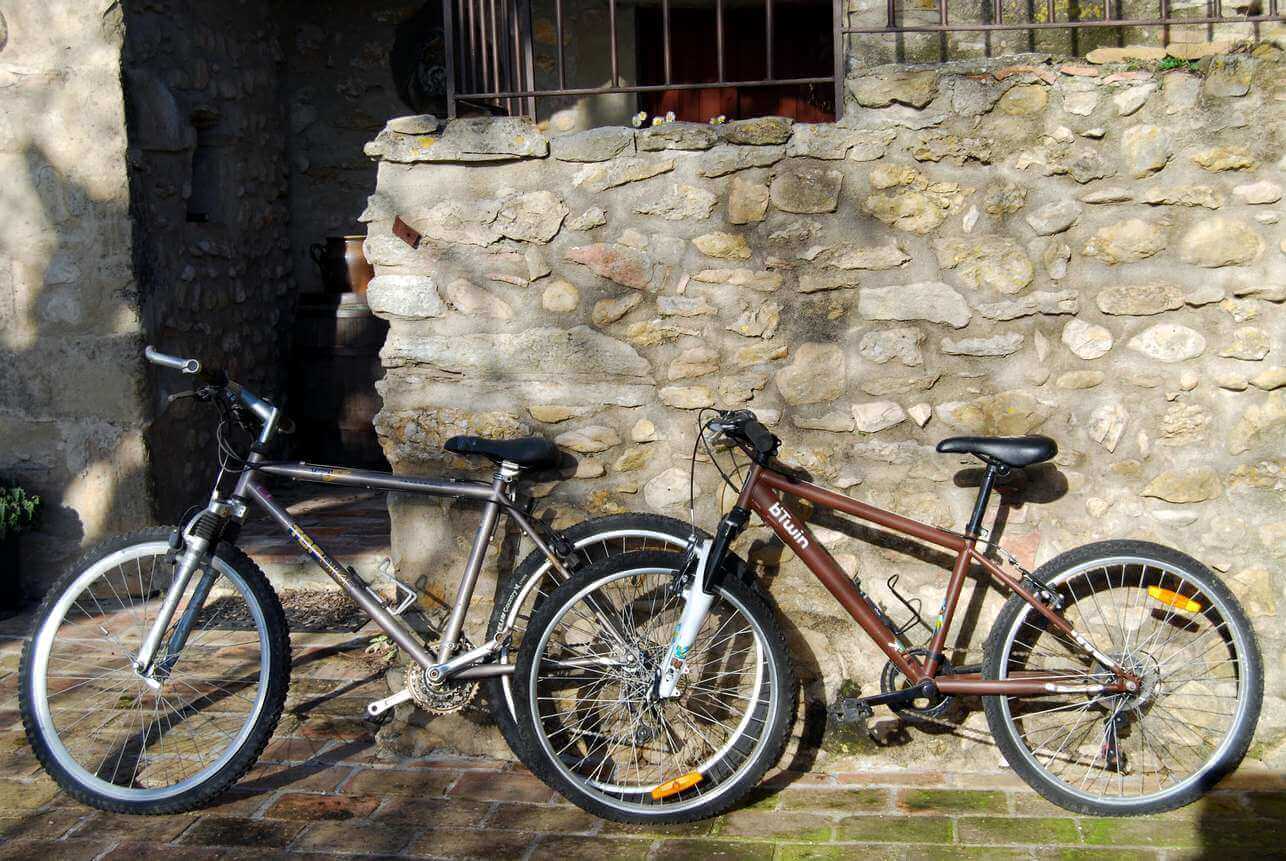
(490,57)
(485,71)
(1109,19)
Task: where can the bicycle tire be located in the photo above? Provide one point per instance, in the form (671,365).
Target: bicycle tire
(516,585)
(776,718)
(247,751)
(1225,757)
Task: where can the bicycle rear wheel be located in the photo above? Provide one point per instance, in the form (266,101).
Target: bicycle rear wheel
(585,683)
(128,744)
(1170,621)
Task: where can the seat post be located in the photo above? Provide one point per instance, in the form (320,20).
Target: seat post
(984,495)
(506,472)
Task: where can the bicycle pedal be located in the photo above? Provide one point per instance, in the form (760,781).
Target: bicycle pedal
(851,710)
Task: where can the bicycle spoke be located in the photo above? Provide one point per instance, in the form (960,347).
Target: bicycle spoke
(611,736)
(147,735)
(1128,746)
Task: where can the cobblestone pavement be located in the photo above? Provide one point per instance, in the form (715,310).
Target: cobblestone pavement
(322,790)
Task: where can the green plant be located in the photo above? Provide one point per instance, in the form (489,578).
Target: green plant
(1168,63)
(19,510)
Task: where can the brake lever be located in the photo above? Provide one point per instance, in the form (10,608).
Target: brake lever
(179,396)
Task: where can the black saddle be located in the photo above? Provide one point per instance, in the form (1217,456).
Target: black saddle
(530,452)
(1007,450)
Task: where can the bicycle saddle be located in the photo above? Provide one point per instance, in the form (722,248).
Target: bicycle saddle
(530,452)
(1009,450)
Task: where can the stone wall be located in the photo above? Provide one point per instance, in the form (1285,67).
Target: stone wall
(71,374)
(1091,252)
(210,194)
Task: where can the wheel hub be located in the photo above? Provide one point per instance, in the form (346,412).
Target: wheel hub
(1147,670)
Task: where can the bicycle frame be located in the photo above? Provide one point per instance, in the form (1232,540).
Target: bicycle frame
(494,497)
(446,664)
(760,495)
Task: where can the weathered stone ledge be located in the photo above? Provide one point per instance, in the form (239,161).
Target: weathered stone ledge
(408,140)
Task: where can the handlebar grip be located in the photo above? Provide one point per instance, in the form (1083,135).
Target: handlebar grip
(187,366)
(761,438)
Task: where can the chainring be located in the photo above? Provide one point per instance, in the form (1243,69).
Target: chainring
(891,675)
(443,699)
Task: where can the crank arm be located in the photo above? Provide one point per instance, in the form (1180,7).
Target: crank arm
(439,673)
(378,707)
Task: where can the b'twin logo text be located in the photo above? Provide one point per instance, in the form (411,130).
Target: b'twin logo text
(783,517)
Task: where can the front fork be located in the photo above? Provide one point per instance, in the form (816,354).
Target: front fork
(698,596)
(198,545)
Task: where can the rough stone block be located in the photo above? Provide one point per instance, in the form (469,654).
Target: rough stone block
(600,144)
(678,136)
(477,139)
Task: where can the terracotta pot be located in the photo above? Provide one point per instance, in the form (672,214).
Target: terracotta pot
(342,264)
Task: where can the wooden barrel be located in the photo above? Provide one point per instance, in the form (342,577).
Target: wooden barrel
(332,381)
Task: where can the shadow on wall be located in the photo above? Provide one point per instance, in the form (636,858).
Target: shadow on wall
(209,198)
(71,418)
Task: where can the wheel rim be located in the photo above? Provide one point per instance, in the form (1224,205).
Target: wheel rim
(591,549)
(1193,695)
(104,725)
(715,727)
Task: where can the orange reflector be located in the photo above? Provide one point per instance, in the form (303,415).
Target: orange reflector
(1173,599)
(671,787)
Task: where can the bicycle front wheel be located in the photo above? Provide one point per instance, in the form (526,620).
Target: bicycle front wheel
(586,681)
(1170,621)
(531,582)
(121,742)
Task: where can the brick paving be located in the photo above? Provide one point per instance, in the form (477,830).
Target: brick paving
(322,790)
(351,524)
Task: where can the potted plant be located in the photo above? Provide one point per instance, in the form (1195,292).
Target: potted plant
(19,511)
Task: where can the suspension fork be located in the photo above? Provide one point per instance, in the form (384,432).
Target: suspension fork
(707,572)
(198,546)
(183,628)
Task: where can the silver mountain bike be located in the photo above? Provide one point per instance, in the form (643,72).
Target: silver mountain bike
(159,663)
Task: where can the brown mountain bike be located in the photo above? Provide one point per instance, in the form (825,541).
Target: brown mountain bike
(1121,677)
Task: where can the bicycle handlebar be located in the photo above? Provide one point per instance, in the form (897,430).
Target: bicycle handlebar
(187,366)
(272,418)
(744,426)
(760,437)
